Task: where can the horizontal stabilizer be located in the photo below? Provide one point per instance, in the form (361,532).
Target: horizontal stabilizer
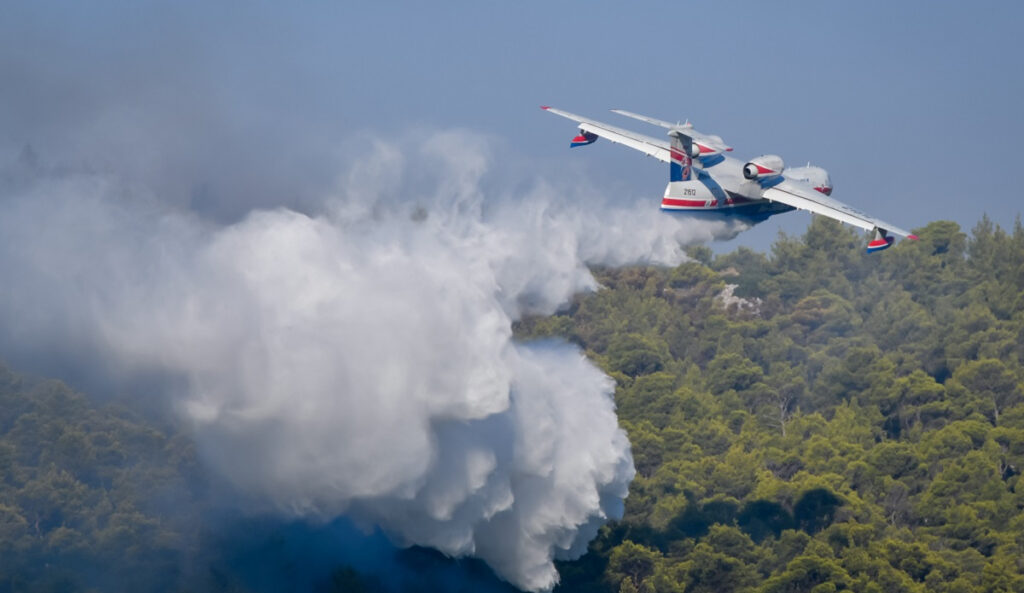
(708,143)
(654,121)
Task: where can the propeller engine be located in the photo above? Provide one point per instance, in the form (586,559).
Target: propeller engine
(816,176)
(763,167)
(710,145)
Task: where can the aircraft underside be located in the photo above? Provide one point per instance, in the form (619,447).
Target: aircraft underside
(745,209)
(729,198)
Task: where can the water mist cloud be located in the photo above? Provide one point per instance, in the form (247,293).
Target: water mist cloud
(358,362)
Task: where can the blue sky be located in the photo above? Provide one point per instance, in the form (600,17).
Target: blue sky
(913,107)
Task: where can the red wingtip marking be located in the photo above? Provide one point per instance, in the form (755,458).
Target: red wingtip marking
(545,107)
(728,149)
(912,237)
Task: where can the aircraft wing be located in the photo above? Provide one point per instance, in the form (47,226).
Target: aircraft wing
(654,147)
(798,195)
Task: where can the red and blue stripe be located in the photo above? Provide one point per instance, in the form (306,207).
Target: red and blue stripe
(583,139)
(880,244)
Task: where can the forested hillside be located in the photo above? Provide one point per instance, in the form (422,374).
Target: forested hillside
(815,419)
(811,419)
(90,495)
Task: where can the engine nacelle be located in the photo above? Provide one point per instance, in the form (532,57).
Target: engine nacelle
(816,176)
(763,167)
(710,145)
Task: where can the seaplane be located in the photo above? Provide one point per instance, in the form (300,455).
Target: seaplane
(705,180)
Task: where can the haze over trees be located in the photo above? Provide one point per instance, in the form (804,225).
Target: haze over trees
(811,419)
(831,421)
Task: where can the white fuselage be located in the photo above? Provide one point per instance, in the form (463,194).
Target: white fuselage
(718,185)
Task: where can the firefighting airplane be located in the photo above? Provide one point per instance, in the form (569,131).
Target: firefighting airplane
(703,180)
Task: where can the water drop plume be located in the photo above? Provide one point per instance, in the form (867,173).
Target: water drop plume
(357,360)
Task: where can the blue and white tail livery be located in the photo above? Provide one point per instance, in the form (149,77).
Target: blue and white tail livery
(681,152)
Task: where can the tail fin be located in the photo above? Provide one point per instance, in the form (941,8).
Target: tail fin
(681,166)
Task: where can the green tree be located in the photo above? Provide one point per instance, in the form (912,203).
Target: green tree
(632,562)
(637,354)
(991,383)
